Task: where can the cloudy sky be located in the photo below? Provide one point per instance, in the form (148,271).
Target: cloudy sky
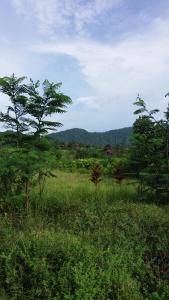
(104,52)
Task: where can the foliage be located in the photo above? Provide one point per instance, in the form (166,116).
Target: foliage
(119,172)
(74,246)
(112,137)
(108,165)
(41,106)
(88,152)
(16,91)
(21,165)
(149,152)
(96,174)
(71,244)
(18,170)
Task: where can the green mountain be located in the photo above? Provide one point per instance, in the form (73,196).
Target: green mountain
(112,137)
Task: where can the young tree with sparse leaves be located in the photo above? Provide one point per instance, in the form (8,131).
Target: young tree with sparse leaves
(30,161)
(40,107)
(16,90)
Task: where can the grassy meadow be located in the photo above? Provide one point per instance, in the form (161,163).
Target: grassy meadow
(84,216)
(82,241)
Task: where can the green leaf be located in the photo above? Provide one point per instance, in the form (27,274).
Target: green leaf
(139,111)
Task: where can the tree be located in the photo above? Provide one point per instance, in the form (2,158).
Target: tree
(31,161)
(149,152)
(141,147)
(16,90)
(41,106)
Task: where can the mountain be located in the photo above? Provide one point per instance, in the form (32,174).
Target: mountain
(112,137)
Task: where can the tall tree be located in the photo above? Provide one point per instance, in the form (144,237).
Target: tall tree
(42,106)
(149,152)
(16,90)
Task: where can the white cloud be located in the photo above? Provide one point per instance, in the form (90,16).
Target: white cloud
(90,102)
(140,63)
(116,72)
(56,14)
(9,63)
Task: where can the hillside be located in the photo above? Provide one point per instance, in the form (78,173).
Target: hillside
(112,137)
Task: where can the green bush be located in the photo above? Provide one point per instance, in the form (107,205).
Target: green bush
(47,265)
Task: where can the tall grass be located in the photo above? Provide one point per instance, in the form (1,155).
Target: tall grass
(85,242)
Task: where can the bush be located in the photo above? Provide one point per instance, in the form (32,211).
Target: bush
(48,266)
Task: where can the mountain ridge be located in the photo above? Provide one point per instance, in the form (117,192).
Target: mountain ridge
(113,137)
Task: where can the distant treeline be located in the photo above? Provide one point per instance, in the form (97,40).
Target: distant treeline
(113,137)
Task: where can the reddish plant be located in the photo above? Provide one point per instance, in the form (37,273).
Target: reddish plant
(96,174)
(119,173)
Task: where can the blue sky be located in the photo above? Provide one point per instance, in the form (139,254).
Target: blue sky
(104,52)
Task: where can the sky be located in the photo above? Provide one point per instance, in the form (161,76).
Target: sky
(104,52)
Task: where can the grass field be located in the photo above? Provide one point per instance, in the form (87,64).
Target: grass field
(85,242)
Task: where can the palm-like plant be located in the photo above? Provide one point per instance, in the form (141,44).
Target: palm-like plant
(41,106)
(16,90)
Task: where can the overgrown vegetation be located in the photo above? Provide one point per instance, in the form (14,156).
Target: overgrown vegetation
(76,221)
(150,151)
